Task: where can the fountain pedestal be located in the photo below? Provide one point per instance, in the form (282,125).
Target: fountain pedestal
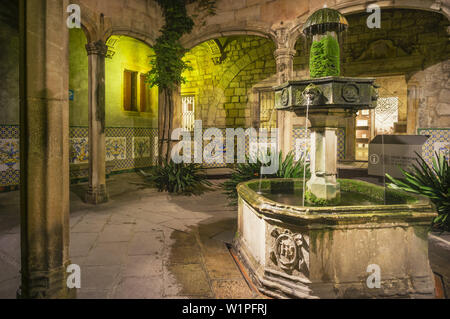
(323,183)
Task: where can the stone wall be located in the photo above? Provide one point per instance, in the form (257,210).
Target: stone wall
(125,53)
(141,19)
(410,43)
(433,95)
(9,66)
(129,54)
(78,78)
(260,16)
(222,87)
(9,96)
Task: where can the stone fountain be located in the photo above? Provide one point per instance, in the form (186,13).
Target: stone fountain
(302,250)
(325,99)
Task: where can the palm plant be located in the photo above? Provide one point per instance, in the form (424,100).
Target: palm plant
(432,182)
(178,178)
(243,172)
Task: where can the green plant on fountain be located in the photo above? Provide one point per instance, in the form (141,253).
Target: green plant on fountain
(323,26)
(324,57)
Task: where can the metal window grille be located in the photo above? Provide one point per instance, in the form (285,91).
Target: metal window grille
(188,104)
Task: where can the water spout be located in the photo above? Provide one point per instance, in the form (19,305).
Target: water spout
(308,103)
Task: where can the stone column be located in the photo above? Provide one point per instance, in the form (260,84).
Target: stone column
(412,100)
(284,58)
(323,184)
(96,193)
(350,137)
(44,149)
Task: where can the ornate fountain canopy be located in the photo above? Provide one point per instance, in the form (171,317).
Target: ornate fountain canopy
(324,20)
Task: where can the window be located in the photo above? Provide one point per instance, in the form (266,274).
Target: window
(130,90)
(386,115)
(188,104)
(144,103)
(363,123)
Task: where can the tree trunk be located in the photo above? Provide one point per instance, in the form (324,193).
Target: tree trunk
(166,115)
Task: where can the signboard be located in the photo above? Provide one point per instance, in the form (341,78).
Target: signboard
(389,153)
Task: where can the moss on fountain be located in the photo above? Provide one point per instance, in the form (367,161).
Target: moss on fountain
(312,200)
(371,192)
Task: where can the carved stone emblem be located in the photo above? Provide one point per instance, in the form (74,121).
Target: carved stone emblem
(350,93)
(287,250)
(285,97)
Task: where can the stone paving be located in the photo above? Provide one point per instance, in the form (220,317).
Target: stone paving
(141,244)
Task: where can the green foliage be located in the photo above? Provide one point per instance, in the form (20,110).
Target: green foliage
(178,178)
(324,58)
(168,65)
(432,182)
(243,172)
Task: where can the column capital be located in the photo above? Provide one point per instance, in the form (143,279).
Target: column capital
(284,59)
(97,48)
(284,53)
(284,37)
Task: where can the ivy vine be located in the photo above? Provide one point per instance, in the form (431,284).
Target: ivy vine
(168,64)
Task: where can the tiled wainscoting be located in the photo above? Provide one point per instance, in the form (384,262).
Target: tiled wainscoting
(9,157)
(439,142)
(128,148)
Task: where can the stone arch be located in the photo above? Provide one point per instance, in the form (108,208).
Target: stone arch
(192,40)
(216,95)
(88,23)
(140,19)
(135,34)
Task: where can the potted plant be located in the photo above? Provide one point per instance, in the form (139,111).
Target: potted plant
(433,182)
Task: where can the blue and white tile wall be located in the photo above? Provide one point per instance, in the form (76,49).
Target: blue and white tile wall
(439,142)
(129,148)
(9,155)
(126,148)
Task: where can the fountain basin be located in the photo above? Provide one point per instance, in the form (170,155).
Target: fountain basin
(325,252)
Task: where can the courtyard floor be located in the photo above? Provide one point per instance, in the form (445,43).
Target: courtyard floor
(141,244)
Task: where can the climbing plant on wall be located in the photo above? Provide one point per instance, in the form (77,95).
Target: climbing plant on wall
(168,65)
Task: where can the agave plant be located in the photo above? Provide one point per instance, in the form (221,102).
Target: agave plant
(432,182)
(178,178)
(243,172)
